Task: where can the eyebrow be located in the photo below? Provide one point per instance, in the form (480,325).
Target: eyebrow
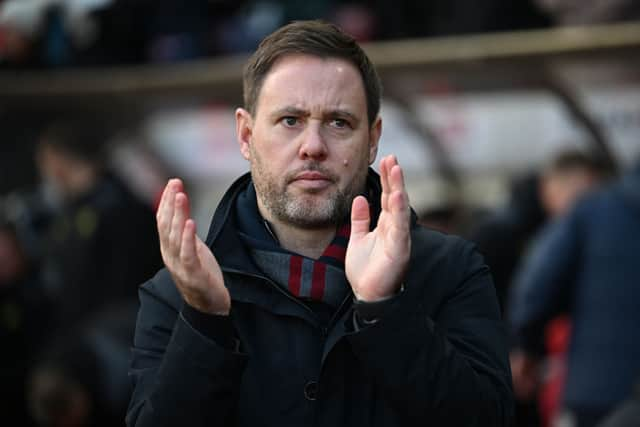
(342,114)
(294,111)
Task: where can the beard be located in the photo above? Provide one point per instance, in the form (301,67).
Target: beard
(309,209)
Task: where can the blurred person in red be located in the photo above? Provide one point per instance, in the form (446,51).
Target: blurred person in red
(505,236)
(584,265)
(568,177)
(102,240)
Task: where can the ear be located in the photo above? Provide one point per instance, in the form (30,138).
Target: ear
(374,138)
(244,131)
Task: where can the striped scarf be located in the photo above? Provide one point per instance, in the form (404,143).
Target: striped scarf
(322,280)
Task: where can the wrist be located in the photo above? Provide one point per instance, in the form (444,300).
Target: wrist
(373,298)
(220,308)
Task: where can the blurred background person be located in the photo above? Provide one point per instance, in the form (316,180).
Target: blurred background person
(102,242)
(92,241)
(506,236)
(570,175)
(584,264)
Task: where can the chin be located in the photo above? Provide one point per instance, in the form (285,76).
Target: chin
(306,213)
(312,223)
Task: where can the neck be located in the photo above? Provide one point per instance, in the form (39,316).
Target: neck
(304,241)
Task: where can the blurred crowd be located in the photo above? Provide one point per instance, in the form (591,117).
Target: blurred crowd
(72,254)
(563,250)
(65,33)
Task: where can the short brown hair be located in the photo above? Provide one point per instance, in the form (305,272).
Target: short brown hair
(571,160)
(82,137)
(317,38)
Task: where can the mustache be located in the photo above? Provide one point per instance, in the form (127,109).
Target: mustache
(311,167)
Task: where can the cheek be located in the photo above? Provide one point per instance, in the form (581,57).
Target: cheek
(355,166)
(361,157)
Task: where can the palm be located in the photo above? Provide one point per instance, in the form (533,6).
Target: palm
(377,260)
(210,267)
(191,263)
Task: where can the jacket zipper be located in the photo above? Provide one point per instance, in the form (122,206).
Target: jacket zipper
(273,284)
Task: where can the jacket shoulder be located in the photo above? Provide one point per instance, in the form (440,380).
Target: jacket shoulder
(444,262)
(435,247)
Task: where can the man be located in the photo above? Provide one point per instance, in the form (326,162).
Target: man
(267,322)
(569,175)
(102,240)
(585,265)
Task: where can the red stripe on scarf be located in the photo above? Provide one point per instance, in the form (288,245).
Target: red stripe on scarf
(295,275)
(335,251)
(317,283)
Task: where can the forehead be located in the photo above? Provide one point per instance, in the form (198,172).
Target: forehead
(312,83)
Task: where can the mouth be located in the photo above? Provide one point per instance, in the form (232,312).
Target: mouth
(311,176)
(312,180)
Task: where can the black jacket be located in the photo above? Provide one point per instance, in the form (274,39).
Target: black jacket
(438,355)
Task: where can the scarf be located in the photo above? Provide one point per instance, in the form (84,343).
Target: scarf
(322,280)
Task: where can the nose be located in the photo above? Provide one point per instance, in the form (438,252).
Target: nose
(312,145)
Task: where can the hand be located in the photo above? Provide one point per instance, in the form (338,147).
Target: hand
(525,372)
(377,260)
(192,265)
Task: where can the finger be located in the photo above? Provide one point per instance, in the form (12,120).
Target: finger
(399,213)
(188,254)
(396,180)
(164,215)
(360,218)
(399,200)
(180,215)
(384,181)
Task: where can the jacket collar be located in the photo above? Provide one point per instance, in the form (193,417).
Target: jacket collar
(245,282)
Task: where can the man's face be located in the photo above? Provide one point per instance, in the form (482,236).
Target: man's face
(309,142)
(561,190)
(53,168)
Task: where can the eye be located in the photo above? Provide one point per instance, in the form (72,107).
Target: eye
(289,121)
(339,123)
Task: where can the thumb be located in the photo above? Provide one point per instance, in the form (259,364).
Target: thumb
(359,217)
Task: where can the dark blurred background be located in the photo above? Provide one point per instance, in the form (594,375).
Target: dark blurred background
(517,123)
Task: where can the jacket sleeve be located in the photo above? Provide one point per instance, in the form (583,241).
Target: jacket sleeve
(450,368)
(543,283)
(181,377)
